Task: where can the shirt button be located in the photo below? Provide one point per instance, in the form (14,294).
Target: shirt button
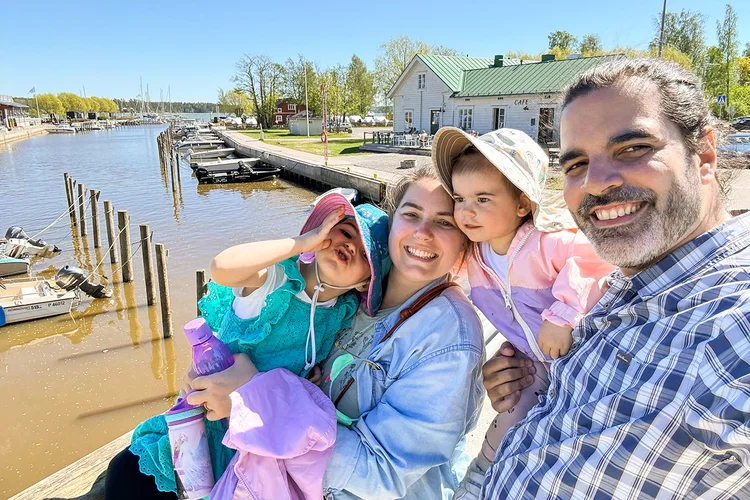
(574,346)
(551,393)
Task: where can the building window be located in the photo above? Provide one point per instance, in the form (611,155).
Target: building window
(421,79)
(408,119)
(278,110)
(292,107)
(465,118)
(279,118)
(498,118)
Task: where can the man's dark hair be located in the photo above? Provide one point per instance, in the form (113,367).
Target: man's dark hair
(681,93)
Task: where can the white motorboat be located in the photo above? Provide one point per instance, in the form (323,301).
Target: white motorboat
(62,129)
(32,298)
(209,153)
(224,165)
(10,266)
(348,193)
(195,144)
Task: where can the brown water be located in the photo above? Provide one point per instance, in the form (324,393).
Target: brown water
(70,384)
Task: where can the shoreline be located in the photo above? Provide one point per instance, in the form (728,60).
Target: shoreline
(21,133)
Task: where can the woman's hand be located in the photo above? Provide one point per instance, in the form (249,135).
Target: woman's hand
(212,391)
(506,374)
(317,239)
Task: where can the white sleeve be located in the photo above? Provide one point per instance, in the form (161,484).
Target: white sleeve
(250,305)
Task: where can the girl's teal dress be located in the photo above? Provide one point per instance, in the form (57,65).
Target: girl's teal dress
(273,339)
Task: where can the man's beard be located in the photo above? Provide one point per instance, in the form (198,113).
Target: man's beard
(640,243)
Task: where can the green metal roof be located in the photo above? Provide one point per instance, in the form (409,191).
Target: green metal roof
(533,78)
(450,69)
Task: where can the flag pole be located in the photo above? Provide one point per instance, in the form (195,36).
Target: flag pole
(37,106)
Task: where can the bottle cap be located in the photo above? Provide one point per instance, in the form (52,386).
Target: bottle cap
(198,331)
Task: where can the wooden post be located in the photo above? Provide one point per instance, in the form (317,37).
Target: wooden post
(148,266)
(73,202)
(67,191)
(200,286)
(95,218)
(82,208)
(109,217)
(177,166)
(161,272)
(123,225)
(174,186)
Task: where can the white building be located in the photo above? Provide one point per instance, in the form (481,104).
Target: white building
(483,94)
(298,123)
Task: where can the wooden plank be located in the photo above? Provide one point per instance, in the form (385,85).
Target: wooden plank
(83,479)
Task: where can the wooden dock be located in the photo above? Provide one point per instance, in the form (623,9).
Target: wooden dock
(81,480)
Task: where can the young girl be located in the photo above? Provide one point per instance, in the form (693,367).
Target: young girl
(281,311)
(531,272)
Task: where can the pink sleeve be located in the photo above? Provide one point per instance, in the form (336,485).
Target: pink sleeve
(580,281)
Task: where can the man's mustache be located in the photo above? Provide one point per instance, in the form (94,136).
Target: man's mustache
(623,194)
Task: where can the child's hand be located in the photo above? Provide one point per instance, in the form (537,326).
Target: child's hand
(315,375)
(317,239)
(555,340)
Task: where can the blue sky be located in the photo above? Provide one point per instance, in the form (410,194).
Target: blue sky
(193,45)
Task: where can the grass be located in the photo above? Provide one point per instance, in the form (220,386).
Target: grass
(282,133)
(343,147)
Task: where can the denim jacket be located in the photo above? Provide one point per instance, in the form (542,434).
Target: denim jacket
(419,394)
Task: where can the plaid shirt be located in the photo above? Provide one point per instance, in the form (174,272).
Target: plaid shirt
(655,402)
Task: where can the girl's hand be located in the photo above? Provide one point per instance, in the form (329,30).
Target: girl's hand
(315,375)
(212,391)
(554,340)
(317,239)
(506,374)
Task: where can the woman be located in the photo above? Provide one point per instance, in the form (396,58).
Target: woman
(416,390)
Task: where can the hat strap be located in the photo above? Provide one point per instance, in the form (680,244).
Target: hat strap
(319,288)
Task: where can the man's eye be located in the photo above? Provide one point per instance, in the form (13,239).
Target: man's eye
(484,200)
(575,166)
(636,149)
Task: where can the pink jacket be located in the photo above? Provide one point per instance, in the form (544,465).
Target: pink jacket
(552,276)
(284,429)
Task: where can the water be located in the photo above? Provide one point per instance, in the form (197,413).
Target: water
(70,384)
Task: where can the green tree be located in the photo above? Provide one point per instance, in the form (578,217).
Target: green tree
(726,33)
(395,54)
(262,79)
(743,65)
(562,39)
(234,101)
(294,82)
(684,31)
(361,84)
(50,104)
(338,96)
(591,46)
(71,102)
(524,56)
(746,53)
(740,97)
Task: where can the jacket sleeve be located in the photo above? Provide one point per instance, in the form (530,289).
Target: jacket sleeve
(580,280)
(417,424)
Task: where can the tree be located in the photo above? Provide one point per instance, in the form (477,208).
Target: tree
(395,54)
(591,46)
(562,39)
(726,33)
(294,82)
(747,50)
(684,31)
(262,79)
(362,87)
(521,55)
(338,96)
(743,65)
(234,101)
(50,104)
(740,97)
(71,102)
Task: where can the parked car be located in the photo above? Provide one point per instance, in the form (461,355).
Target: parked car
(742,123)
(736,143)
(340,127)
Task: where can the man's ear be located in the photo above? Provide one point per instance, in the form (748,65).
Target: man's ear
(707,156)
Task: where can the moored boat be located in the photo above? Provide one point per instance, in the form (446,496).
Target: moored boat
(32,298)
(11,266)
(209,153)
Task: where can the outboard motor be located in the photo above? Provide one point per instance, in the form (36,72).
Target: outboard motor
(69,278)
(32,246)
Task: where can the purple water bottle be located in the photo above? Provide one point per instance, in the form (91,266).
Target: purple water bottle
(210,355)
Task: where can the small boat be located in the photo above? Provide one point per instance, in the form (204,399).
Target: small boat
(244,173)
(224,165)
(209,153)
(199,144)
(348,193)
(18,244)
(32,298)
(10,266)
(62,129)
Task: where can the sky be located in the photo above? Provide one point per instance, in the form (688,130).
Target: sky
(192,46)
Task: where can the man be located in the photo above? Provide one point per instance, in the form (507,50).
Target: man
(654,398)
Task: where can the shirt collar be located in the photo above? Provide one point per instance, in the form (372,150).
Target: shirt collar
(693,257)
